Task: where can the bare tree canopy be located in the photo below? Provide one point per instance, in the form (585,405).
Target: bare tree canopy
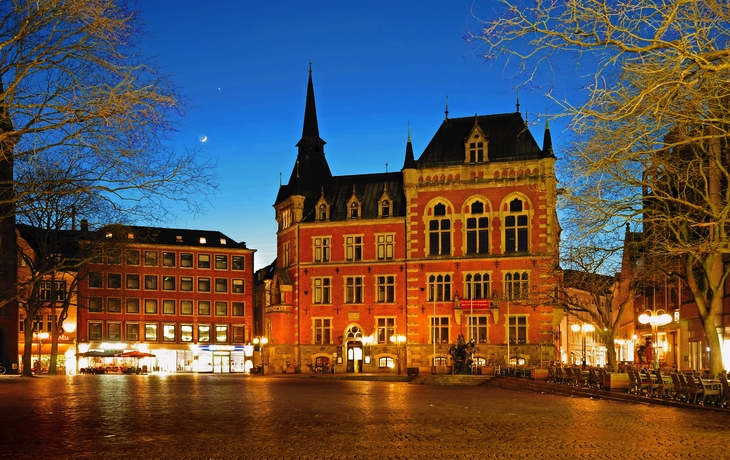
(651,127)
(85,133)
(78,96)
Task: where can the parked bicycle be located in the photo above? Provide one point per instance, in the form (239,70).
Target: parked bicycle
(2,368)
(318,369)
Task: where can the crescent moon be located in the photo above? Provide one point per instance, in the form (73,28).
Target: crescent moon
(203,138)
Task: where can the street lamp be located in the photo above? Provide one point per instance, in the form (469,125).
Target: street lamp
(41,336)
(583,328)
(398,339)
(261,341)
(655,318)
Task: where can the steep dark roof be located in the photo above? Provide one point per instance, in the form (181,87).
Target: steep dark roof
(311,169)
(589,282)
(410,162)
(507,135)
(368,190)
(181,237)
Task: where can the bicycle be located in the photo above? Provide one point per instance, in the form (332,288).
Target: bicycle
(2,369)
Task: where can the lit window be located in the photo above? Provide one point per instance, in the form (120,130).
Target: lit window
(321,249)
(439,287)
(322,331)
(385,246)
(353,289)
(439,232)
(385,288)
(322,289)
(353,248)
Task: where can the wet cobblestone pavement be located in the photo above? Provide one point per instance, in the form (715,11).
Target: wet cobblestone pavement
(262,417)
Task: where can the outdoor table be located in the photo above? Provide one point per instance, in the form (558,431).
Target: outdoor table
(713,388)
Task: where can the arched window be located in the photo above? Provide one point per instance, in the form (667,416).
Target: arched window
(517,285)
(385,208)
(439,232)
(477,230)
(476,286)
(516,228)
(322,212)
(354,210)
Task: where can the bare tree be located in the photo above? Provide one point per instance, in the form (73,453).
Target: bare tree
(85,130)
(651,126)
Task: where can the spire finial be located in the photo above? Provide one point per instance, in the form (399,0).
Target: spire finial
(446,112)
(547,118)
(310,67)
(409,130)
(518,100)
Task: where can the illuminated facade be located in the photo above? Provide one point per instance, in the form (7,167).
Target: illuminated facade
(461,241)
(184,296)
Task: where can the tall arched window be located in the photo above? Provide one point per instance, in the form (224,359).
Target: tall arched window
(477,230)
(517,285)
(516,228)
(439,232)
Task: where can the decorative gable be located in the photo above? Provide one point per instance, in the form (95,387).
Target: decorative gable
(385,205)
(354,207)
(323,208)
(475,145)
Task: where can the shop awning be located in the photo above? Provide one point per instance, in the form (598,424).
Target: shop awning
(98,354)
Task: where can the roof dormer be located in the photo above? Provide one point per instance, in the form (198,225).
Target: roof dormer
(323,208)
(385,205)
(475,145)
(354,207)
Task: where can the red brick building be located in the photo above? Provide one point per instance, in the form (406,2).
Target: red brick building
(461,241)
(184,296)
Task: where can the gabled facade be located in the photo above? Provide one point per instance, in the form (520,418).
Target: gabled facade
(383,272)
(185,296)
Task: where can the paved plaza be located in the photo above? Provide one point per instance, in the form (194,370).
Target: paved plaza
(270,417)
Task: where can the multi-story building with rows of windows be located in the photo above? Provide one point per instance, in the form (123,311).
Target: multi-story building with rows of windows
(183,296)
(383,272)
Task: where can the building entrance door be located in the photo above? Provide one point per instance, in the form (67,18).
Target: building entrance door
(354,357)
(221,364)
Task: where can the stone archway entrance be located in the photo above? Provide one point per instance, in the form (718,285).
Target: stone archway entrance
(353,345)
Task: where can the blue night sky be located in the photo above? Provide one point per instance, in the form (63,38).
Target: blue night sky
(377,66)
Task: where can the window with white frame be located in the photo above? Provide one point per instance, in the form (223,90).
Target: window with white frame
(385,246)
(132,257)
(150,282)
(221,333)
(354,207)
(221,285)
(168,307)
(132,281)
(238,308)
(477,286)
(150,306)
(114,304)
(322,287)
(353,289)
(440,329)
(384,329)
(516,228)
(186,307)
(517,285)
(169,259)
(238,286)
(385,288)
(114,280)
(439,231)
(150,258)
(132,332)
(186,283)
(203,284)
(150,332)
(186,260)
(114,332)
(95,304)
(95,331)
(203,260)
(477,229)
(386,362)
(221,262)
(517,329)
(168,283)
(439,287)
(168,332)
(186,333)
(133,306)
(322,249)
(322,331)
(204,333)
(203,308)
(239,333)
(353,248)
(237,263)
(477,328)
(95,280)
(221,308)
(52,290)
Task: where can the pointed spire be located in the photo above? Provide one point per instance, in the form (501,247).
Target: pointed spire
(410,162)
(547,140)
(310,130)
(518,100)
(446,112)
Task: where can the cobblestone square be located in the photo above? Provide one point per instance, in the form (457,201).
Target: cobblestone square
(270,417)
